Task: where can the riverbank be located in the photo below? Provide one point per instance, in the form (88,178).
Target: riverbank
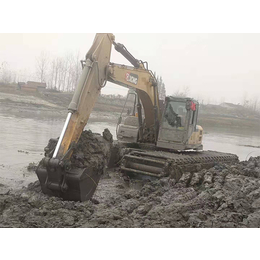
(51,105)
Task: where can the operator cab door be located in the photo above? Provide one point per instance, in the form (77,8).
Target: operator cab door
(176,124)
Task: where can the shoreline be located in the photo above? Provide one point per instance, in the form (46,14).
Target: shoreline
(39,107)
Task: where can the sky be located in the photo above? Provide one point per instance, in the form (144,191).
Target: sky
(215,67)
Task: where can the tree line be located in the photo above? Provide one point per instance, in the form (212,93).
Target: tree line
(62,74)
(59,73)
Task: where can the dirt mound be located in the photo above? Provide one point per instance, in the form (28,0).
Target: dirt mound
(92,150)
(33,209)
(223,196)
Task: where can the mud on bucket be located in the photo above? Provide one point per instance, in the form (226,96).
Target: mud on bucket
(80,183)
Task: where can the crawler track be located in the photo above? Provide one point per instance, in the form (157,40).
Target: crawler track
(158,164)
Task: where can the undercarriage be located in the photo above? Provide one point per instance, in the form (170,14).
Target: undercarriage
(157,164)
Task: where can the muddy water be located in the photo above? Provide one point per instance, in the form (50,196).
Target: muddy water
(242,145)
(22,141)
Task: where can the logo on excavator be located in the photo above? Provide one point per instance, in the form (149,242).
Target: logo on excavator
(132,78)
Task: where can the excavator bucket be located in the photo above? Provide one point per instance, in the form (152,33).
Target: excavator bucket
(74,185)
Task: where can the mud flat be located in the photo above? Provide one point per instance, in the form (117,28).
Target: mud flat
(223,196)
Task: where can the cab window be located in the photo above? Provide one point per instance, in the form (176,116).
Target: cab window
(175,115)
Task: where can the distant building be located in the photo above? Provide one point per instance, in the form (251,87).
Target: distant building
(230,105)
(32,86)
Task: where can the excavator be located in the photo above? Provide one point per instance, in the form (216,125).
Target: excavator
(162,138)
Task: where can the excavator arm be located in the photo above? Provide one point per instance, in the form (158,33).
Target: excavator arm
(92,79)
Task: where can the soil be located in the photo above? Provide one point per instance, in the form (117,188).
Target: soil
(92,150)
(223,196)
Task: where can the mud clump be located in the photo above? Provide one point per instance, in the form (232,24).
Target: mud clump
(32,167)
(93,150)
(222,196)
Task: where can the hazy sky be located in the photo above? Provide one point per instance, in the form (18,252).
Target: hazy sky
(214,66)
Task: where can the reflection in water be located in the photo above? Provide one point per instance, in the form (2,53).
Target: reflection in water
(22,141)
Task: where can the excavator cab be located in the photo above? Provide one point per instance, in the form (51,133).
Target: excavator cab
(178,129)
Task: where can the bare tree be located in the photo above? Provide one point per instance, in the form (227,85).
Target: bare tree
(60,73)
(42,63)
(244,99)
(161,87)
(182,92)
(6,75)
(23,75)
(255,104)
(51,75)
(77,70)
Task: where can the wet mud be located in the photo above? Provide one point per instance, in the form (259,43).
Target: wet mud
(222,196)
(92,150)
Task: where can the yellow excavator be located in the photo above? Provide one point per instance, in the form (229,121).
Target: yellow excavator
(161,142)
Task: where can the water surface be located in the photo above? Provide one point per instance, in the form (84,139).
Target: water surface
(22,141)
